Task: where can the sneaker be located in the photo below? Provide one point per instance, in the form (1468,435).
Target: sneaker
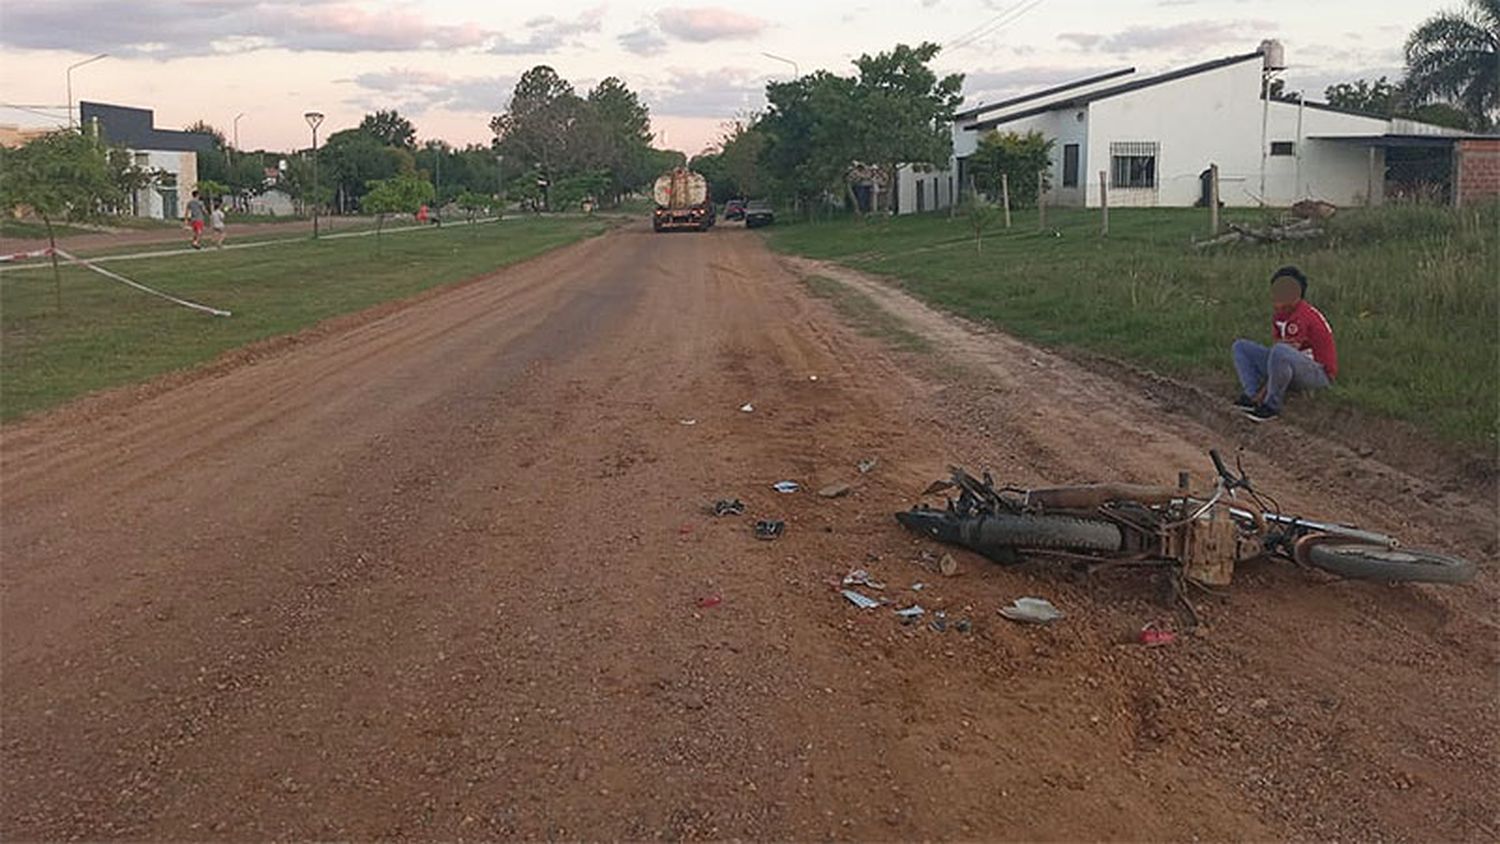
(1263,413)
(1244,402)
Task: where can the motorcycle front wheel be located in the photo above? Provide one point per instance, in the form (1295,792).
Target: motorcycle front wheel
(1374,562)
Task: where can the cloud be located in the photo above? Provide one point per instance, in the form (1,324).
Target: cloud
(1185,37)
(644,41)
(982,86)
(413,91)
(707,23)
(172,28)
(721,93)
(548,33)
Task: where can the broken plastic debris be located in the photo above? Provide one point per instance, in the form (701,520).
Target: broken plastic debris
(710,601)
(939,621)
(867,464)
(786,486)
(860,577)
(812,377)
(1032,611)
(864,602)
(835,491)
(918,587)
(963,625)
(769,529)
(911,612)
(729,507)
(1153,636)
(747,407)
(687,421)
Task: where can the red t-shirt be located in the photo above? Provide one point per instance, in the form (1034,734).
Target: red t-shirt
(1305,329)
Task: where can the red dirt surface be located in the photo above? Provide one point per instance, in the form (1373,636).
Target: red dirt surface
(443,573)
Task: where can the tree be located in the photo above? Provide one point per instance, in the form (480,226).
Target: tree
(1016,156)
(390,128)
(624,126)
(60,175)
(538,127)
(808,149)
(904,109)
(740,150)
(402,194)
(351,159)
(206,128)
(1377,97)
(127,176)
(1456,55)
(980,214)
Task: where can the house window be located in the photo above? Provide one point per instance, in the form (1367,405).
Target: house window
(1070,166)
(1132,165)
(1283,148)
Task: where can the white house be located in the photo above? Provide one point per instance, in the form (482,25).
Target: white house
(1151,139)
(170,155)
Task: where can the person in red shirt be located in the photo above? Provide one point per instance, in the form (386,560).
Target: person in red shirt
(1302,356)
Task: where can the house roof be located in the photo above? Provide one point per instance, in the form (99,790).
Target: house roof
(134,128)
(1117,90)
(1045,92)
(1396,139)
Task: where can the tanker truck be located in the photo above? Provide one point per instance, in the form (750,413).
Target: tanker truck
(682,201)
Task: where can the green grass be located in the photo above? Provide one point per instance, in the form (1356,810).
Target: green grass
(1413,294)
(33,230)
(108,334)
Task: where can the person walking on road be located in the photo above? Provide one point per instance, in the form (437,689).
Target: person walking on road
(196,216)
(216,222)
(1302,355)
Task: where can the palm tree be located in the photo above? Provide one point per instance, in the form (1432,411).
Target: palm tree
(1456,54)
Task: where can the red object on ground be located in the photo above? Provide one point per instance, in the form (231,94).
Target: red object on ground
(710,601)
(1152,636)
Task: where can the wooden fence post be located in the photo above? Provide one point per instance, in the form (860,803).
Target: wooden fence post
(1213,200)
(1005,196)
(1103,203)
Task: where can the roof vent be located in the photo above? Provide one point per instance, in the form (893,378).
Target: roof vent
(1274,55)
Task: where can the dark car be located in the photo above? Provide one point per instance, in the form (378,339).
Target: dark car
(734,209)
(759,214)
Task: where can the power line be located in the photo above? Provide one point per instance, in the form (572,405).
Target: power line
(994,24)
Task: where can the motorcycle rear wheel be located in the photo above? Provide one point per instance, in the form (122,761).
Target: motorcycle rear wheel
(1374,562)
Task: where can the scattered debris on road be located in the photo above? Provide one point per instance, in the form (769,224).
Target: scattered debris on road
(1153,636)
(864,602)
(939,622)
(835,490)
(687,421)
(860,577)
(913,611)
(786,487)
(1032,611)
(948,566)
(708,601)
(769,529)
(729,507)
(747,407)
(867,464)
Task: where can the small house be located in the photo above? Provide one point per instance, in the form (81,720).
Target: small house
(169,155)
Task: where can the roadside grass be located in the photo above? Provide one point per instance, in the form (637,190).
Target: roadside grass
(29,230)
(108,335)
(1413,294)
(866,314)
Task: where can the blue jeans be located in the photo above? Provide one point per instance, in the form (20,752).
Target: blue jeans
(1278,369)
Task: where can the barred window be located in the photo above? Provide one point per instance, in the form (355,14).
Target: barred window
(1132,164)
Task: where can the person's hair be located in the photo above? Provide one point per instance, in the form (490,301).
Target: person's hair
(195,194)
(1290,271)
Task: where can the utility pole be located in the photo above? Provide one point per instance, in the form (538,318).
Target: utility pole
(71,122)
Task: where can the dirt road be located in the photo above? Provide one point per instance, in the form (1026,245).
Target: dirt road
(442,572)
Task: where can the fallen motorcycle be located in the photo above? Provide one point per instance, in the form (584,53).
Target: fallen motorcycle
(1198,538)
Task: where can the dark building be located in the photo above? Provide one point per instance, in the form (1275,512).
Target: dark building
(133,128)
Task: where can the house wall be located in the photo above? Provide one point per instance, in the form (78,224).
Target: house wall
(154,200)
(1478,171)
(273,202)
(1334,171)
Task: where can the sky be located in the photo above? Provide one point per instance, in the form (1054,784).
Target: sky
(450,65)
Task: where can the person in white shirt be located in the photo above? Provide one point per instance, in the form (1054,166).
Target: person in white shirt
(216,222)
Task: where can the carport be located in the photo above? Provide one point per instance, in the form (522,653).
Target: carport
(1424,167)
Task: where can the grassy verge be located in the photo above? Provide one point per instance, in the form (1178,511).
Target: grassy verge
(867,314)
(108,334)
(1411,292)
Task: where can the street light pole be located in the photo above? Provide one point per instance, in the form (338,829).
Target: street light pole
(796,71)
(314,118)
(69,75)
(237,131)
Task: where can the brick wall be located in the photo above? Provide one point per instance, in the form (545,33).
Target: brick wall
(1478,171)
